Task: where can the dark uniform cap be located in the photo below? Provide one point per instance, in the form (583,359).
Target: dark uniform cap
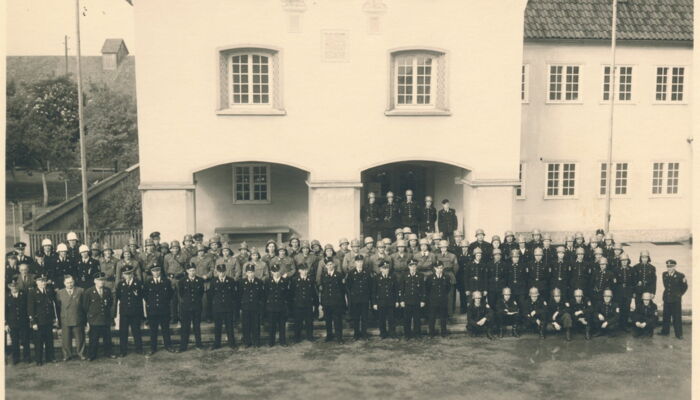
(445,201)
(221,268)
(327,260)
(11,254)
(191,266)
(275,268)
(41,277)
(670,263)
(250,267)
(600,232)
(302,266)
(359,257)
(12,284)
(198,236)
(100,276)
(128,270)
(438,264)
(383,264)
(149,242)
(412,262)
(154,235)
(20,245)
(155,267)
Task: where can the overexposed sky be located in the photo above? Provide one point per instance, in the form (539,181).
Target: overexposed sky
(37,27)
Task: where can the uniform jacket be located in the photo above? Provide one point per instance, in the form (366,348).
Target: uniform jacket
(428,216)
(85,272)
(516,276)
(129,298)
(385,290)
(371,214)
(447,220)
(602,279)
(560,275)
(412,289)
(147,261)
(41,306)
(410,213)
(62,267)
(109,267)
(675,286)
(584,307)
(252,294)
(133,262)
(390,214)
(232,270)
(16,309)
(580,275)
(437,290)
(610,311)
(503,306)
(175,265)
(538,275)
(486,250)
(190,293)
(25,283)
(648,314)
(496,276)
(276,295)
(449,261)
(425,262)
(539,306)
(11,272)
(332,290)
(475,276)
(626,282)
(400,262)
(303,292)
(224,295)
(98,309)
(158,296)
(646,275)
(70,307)
(476,313)
(359,286)
(562,307)
(287,265)
(376,259)
(204,266)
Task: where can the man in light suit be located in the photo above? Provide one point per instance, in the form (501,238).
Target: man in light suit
(72,319)
(25,280)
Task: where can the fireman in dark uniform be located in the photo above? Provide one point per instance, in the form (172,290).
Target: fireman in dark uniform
(645,317)
(560,273)
(332,291)
(535,312)
(675,286)
(507,313)
(447,221)
(190,293)
(369,215)
(17,321)
(276,304)
(98,305)
(495,278)
(479,316)
(581,311)
(359,291)
(486,248)
(390,215)
(601,279)
(129,310)
(304,298)
(476,274)
(581,273)
(412,300)
(516,277)
(428,216)
(158,292)
(559,313)
(85,268)
(252,301)
(646,276)
(224,293)
(539,273)
(606,315)
(463,260)
(385,300)
(438,288)
(410,212)
(626,278)
(41,308)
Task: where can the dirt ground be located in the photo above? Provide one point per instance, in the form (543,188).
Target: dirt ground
(456,367)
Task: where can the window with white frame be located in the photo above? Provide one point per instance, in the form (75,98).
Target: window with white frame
(665,178)
(520,189)
(418,82)
(564,83)
(621,177)
(623,80)
(670,91)
(525,83)
(251,183)
(249,81)
(561,180)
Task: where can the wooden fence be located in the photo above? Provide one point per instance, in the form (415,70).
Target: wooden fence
(117,238)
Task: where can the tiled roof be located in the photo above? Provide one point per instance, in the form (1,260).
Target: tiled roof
(591,19)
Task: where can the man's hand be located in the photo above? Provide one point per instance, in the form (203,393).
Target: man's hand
(601,317)
(555,315)
(481,322)
(532,313)
(642,324)
(403,304)
(397,305)
(88,328)
(375,307)
(422,304)
(577,313)
(35,327)
(604,324)
(556,326)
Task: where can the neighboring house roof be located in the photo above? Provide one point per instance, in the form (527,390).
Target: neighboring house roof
(112,46)
(35,68)
(592,19)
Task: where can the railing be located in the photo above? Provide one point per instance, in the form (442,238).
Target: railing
(116,238)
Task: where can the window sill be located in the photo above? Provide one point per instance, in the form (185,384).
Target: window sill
(252,202)
(665,196)
(616,196)
(560,197)
(562,102)
(417,113)
(618,103)
(252,111)
(669,103)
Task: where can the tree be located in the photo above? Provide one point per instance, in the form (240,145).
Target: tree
(110,119)
(42,126)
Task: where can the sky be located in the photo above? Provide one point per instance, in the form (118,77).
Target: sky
(37,27)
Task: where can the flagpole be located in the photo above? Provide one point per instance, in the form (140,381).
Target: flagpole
(81,127)
(613,68)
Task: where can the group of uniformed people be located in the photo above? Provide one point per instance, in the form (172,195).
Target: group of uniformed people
(517,283)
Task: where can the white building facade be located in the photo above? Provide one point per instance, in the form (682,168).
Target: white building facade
(274,116)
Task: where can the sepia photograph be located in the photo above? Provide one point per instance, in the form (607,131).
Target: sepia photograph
(349,199)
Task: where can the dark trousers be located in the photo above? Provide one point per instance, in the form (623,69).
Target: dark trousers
(502,319)
(277,322)
(437,312)
(624,303)
(372,230)
(133,322)
(19,335)
(43,343)
(334,319)
(175,301)
(190,319)
(98,332)
(411,320)
(672,310)
(164,322)
(610,329)
(221,319)
(647,330)
(387,323)
(475,329)
(359,312)
(250,324)
(303,320)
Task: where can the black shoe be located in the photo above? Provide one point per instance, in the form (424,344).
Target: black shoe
(341,341)
(39,363)
(662,333)
(215,347)
(500,333)
(679,337)
(329,339)
(122,355)
(150,353)
(182,349)
(171,349)
(112,356)
(488,335)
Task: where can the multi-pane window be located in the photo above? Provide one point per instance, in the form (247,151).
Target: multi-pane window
(564,82)
(251,183)
(665,178)
(524,83)
(620,182)
(561,180)
(414,80)
(519,190)
(250,79)
(670,91)
(623,78)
